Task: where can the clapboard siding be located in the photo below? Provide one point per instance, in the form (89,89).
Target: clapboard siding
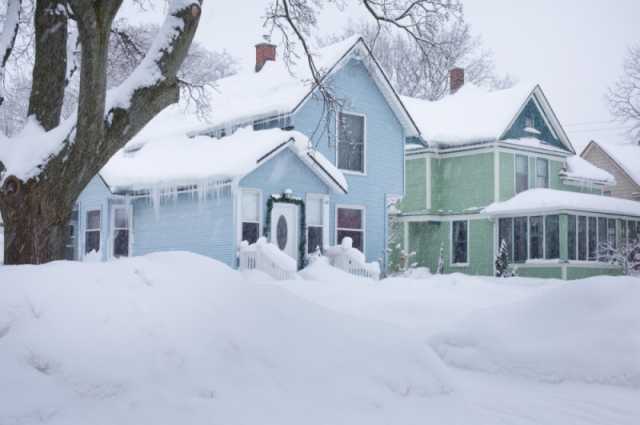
(625,187)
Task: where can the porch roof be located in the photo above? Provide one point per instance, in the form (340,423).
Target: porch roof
(540,201)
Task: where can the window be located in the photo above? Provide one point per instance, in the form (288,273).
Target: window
(315,223)
(520,239)
(633,232)
(505,233)
(582,238)
(622,233)
(571,243)
(92,232)
(530,122)
(611,233)
(459,242)
(120,232)
(522,173)
(535,238)
(542,172)
(552,237)
(602,238)
(351,129)
(592,241)
(70,248)
(250,216)
(350,223)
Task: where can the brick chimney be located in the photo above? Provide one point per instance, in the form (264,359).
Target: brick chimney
(456,79)
(265,51)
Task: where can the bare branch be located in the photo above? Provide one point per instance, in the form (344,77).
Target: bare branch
(624,96)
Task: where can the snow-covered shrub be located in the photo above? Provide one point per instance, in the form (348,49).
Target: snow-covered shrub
(440,266)
(502,261)
(625,254)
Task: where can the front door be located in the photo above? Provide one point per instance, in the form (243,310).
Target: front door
(284,228)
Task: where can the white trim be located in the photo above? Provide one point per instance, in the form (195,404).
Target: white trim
(428,183)
(364,223)
(364,142)
(496,175)
(451,263)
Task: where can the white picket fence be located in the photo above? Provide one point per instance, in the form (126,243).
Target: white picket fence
(267,258)
(350,260)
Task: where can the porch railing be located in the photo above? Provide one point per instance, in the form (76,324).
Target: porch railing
(267,258)
(351,260)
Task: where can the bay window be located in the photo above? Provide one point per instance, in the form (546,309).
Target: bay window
(520,239)
(350,223)
(572,234)
(552,237)
(602,237)
(611,233)
(505,233)
(92,231)
(592,239)
(351,140)
(582,238)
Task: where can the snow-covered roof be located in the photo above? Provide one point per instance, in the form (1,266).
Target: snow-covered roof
(541,201)
(173,159)
(627,155)
(279,90)
(581,169)
(474,114)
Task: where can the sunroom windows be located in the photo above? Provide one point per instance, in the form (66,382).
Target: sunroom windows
(531,238)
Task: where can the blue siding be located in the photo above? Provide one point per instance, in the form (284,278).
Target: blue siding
(96,196)
(187,223)
(517,129)
(384,150)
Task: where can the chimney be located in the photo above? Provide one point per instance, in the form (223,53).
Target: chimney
(456,79)
(265,51)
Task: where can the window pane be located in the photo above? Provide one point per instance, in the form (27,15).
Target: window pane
(522,173)
(602,237)
(250,232)
(542,172)
(536,238)
(354,235)
(505,233)
(314,239)
(633,232)
(520,239)
(121,243)
(459,242)
(552,236)
(314,211)
(351,142)
(622,237)
(349,218)
(93,220)
(571,242)
(250,206)
(92,241)
(611,233)
(593,238)
(121,218)
(582,238)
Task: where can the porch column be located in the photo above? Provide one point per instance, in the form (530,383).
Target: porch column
(564,237)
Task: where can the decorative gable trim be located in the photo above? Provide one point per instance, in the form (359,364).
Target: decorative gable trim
(549,116)
(361,51)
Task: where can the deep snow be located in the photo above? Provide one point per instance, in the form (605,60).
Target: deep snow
(179,338)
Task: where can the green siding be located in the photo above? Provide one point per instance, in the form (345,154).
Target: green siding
(550,272)
(577,272)
(425,239)
(416,186)
(507,176)
(462,183)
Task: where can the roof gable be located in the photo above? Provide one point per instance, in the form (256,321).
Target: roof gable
(625,155)
(277,90)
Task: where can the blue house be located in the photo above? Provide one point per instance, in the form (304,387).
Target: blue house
(273,161)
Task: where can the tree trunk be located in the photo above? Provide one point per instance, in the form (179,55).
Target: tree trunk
(34,230)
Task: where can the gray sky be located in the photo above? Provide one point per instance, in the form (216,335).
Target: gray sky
(573,48)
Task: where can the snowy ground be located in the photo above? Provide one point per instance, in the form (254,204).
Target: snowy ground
(177,338)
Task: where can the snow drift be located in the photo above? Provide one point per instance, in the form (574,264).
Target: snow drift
(587,331)
(179,338)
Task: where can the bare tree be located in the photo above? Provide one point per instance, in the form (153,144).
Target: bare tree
(37,195)
(423,73)
(624,96)
(625,254)
(36,201)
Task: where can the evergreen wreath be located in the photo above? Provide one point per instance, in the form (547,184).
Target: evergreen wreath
(286,198)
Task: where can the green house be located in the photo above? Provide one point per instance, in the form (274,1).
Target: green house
(497,165)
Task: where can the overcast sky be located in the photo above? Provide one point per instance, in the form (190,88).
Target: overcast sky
(573,48)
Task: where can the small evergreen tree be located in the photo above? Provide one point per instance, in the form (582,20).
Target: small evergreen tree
(502,261)
(440,266)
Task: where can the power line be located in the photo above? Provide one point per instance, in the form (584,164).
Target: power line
(581,123)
